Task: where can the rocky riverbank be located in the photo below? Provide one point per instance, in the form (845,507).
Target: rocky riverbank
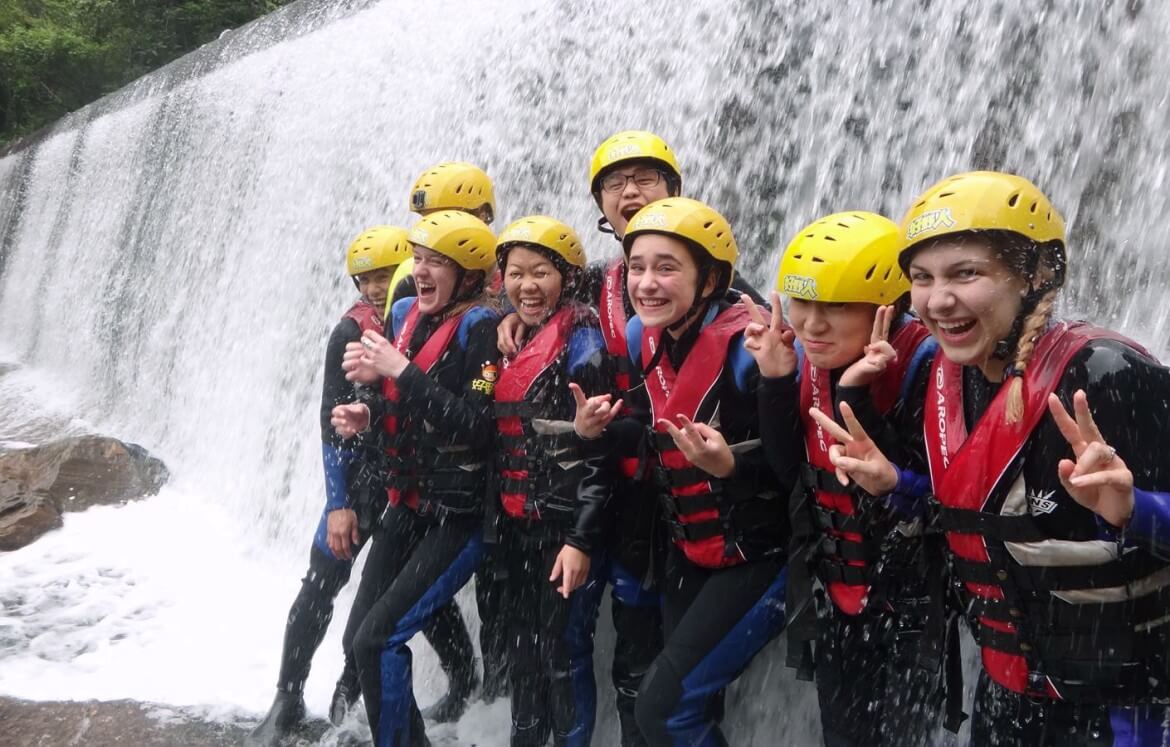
(124,723)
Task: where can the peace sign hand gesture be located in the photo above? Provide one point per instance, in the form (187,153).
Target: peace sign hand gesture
(771,343)
(879,353)
(1099,480)
(855,456)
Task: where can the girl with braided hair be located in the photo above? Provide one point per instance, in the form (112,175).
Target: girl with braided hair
(1065,585)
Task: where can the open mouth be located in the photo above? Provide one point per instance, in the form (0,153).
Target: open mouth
(532,306)
(629,211)
(954,330)
(652,304)
(426,291)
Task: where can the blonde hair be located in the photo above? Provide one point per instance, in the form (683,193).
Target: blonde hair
(1030,331)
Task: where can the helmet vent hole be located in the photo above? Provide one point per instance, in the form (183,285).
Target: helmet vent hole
(843,225)
(829,238)
(707,225)
(1033,208)
(463,242)
(869,272)
(1013,199)
(945,194)
(798,256)
(817,259)
(888,271)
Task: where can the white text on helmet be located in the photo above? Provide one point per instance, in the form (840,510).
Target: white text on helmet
(930,221)
(800,286)
(623,151)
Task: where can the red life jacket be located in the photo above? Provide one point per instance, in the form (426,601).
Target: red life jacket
(532,479)
(611,308)
(1046,628)
(702,523)
(846,552)
(367,315)
(411,465)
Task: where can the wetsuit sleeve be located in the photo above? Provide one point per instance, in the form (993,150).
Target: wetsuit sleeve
(467,412)
(336,390)
(337,454)
(589,367)
(779,402)
(1149,526)
(1129,397)
(588,291)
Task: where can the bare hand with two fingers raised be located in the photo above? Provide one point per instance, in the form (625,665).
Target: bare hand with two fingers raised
(702,445)
(1099,479)
(855,456)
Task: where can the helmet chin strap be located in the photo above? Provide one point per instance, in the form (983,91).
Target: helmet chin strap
(605,226)
(698,308)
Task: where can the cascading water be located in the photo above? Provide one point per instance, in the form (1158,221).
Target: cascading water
(170,257)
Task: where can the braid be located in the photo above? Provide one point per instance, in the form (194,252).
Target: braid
(1030,331)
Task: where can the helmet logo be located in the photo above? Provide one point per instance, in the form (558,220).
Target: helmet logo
(362,263)
(418,236)
(623,151)
(418,199)
(800,286)
(650,220)
(930,221)
(521,233)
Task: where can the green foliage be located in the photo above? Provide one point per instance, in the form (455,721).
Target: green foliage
(58,55)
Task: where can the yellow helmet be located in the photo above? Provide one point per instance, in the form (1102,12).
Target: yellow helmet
(695,222)
(397,291)
(459,236)
(543,231)
(845,258)
(453,185)
(631,145)
(982,201)
(375,248)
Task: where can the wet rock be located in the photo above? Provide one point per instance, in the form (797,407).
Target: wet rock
(26,723)
(39,483)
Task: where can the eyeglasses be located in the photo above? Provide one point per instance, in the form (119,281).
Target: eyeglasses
(642,178)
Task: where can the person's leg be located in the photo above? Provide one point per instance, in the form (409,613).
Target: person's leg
(637,622)
(308,619)
(447,634)
(490,588)
(733,614)
(439,564)
(849,660)
(568,630)
(526,580)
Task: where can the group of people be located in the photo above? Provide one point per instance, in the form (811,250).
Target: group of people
(918,443)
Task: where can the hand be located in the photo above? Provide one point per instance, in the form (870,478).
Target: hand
(350,420)
(771,343)
(355,370)
(341,532)
(702,445)
(381,355)
(509,333)
(879,353)
(1099,479)
(593,414)
(855,456)
(574,566)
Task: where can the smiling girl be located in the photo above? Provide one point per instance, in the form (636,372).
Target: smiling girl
(549,538)
(1070,614)
(724,578)
(877,657)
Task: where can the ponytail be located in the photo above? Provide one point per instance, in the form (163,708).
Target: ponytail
(1030,331)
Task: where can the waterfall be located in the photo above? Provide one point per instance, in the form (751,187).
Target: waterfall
(171,256)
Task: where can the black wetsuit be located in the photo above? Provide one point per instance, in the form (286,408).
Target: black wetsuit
(878,673)
(421,558)
(551,638)
(1129,396)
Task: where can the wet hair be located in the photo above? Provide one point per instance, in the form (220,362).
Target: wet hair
(1043,267)
(570,274)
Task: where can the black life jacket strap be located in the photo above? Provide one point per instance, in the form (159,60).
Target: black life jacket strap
(1004,528)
